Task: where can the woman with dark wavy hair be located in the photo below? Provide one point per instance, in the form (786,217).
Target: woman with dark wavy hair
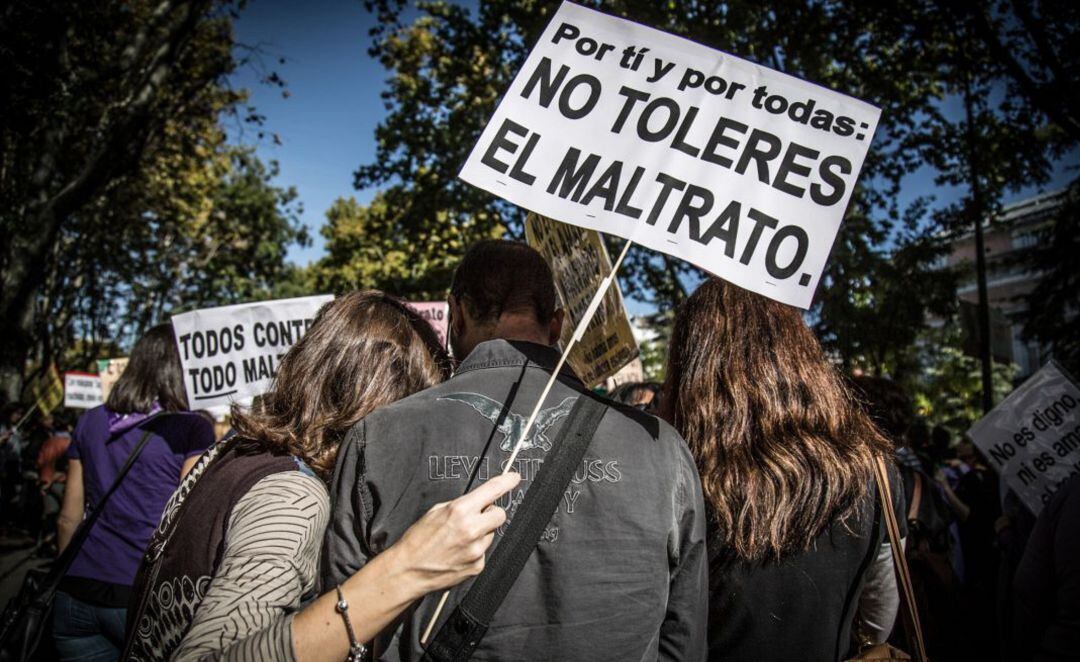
(236,551)
(786,461)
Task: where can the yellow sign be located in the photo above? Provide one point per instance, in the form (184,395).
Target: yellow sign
(580,261)
(47,389)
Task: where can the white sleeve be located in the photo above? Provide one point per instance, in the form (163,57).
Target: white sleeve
(879,601)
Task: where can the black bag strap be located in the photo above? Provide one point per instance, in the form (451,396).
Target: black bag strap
(462,632)
(60,568)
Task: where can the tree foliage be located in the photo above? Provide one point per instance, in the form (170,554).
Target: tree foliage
(1054,304)
(877,302)
(364,249)
(946,387)
(119,198)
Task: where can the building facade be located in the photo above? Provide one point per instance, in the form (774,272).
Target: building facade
(1009,277)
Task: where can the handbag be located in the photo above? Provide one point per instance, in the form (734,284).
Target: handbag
(903,575)
(26,616)
(466,626)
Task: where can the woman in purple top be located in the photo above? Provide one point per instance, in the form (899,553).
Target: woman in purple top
(90,609)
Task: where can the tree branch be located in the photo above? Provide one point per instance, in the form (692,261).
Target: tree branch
(1051,104)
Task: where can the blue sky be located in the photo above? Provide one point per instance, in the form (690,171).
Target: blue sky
(327,123)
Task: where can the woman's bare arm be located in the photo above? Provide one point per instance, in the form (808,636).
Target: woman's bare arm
(71,511)
(441,550)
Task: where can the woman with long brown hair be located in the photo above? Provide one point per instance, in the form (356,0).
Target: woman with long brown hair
(236,551)
(786,461)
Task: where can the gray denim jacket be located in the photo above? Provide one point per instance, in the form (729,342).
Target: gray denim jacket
(620,572)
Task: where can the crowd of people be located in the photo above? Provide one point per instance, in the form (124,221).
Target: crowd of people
(33,448)
(729,513)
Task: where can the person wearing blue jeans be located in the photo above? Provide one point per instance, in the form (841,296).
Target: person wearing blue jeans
(92,598)
(86,632)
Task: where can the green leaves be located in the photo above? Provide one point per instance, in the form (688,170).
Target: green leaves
(366,247)
(119,199)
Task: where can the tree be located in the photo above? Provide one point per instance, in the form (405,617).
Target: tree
(90,91)
(365,248)
(211,230)
(946,389)
(1004,134)
(1054,304)
(1033,47)
(875,303)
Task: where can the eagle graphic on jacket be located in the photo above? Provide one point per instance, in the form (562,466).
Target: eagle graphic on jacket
(514,424)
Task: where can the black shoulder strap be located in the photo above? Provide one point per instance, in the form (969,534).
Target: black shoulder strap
(465,628)
(65,560)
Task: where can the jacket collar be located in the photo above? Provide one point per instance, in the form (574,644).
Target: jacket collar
(515,353)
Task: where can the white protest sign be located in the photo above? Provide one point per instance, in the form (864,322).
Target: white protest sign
(82,390)
(232,353)
(437,313)
(1032,439)
(620,128)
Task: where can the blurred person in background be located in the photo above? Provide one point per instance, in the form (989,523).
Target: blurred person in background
(222,426)
(11,443)
(90,607)
(929,546)
(1046,589)
(237,549)
(642,395)
(52,476)
(796,542)
(976,501)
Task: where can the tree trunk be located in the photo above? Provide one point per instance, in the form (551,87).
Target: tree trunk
(21,280)
(977,213)
(122,147)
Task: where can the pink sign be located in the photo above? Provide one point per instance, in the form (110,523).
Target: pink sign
(437,313)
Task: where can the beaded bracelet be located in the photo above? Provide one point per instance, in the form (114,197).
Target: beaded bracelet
(357,650)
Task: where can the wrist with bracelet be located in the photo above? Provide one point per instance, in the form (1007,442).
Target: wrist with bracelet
(357,651)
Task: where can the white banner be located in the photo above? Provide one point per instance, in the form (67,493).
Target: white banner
(1032,439)
(736,168)
(82,390)
(232,353)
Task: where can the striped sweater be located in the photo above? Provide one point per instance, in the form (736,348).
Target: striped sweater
(270,563)
(264,566)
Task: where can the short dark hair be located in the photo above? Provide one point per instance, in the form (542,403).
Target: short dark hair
(887,403)
(628,392)
(153,373)
(497,276)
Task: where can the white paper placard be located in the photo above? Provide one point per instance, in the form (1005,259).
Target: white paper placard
(437,313)
(82,390)
(232,353)
(741,170)
(1032,439)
